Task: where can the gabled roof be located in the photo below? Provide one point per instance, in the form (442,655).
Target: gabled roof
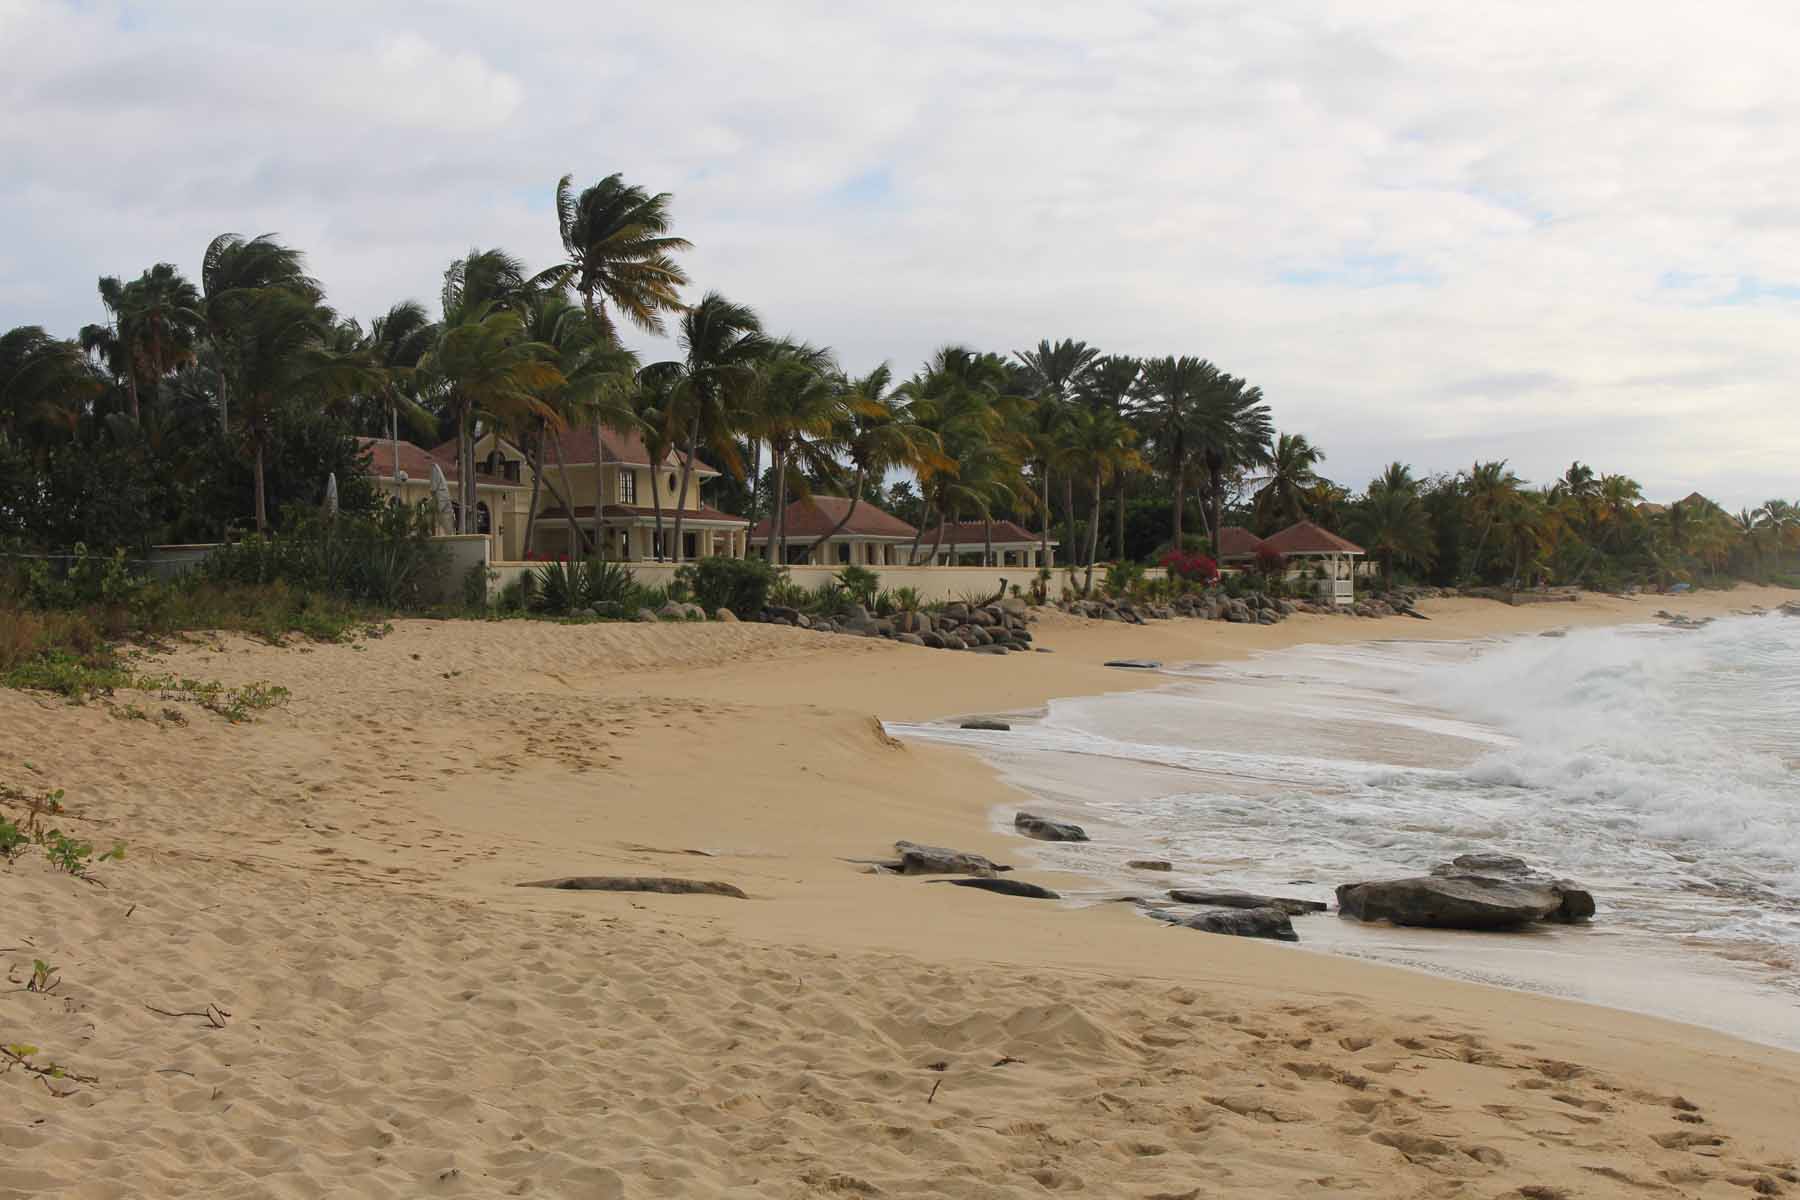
(974,533)
(1237,542)
(416,462)
(585,512)
(1307,538)
(627,448)
(815,516)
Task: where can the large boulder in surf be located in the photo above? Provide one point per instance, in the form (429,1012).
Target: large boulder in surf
(936,860)
(1577,902)
(1046,830)
(1475,891)
(1238,922)
(1294,908)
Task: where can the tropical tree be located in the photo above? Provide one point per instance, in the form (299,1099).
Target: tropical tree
(956,397)
(1291,481)
(710,386)
(1392,524)
(1169,411)
(231,271)
(1489,489)
(1232,429)
(152,331)
(795,406)
(878,432)
(620,252)
(1098,442)
(1113,385)
(283,361)
(1055,372)
(45,386)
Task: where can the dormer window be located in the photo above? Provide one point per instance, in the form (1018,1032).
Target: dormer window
(627,487)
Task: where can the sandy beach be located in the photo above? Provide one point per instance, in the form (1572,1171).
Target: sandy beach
(395,1017)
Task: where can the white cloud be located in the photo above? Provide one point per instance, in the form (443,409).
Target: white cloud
(1393,215)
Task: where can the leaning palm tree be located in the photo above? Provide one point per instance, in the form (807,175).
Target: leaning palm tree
(1292,476)
(477,287)
(1056,372)
(485,366)
(710,386)
(620,252)
(232,269)
(284,360)
(878,433)
(796,406)
(45,387)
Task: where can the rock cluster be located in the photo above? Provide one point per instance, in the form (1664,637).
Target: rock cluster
(998,628)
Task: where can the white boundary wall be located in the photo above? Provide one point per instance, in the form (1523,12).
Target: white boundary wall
(932,583)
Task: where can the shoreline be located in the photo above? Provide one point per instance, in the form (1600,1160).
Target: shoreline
(1719,990)
(341,875)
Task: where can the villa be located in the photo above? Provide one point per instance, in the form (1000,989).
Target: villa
(872,537)
(965,542)
(608,483)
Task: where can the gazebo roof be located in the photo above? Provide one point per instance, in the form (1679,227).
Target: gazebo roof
(1307,538)
(1237,542)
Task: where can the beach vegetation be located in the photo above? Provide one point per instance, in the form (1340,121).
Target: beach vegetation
(743,585)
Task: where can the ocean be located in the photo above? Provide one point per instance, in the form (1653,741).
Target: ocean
(1660,767)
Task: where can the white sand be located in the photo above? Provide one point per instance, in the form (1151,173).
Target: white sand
(404,1021)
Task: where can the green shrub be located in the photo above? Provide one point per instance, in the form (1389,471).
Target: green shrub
(1124,578)
(860,583)
(744,585)
(385,557)
(563,587)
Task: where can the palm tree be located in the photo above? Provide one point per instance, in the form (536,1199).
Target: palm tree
(396,343)
(477,288)
(651,401)
(1169,402)
(1113,385)
(616,236)
(1291,478)
(1098,443)
(710,385)
(878,433)
(1233,431)
(1489,488)
(45,386)
(1055,371)
(796,406)
(956,397)
(487,367)
(596,380)
(1391,522)
(283,359)
(152,331)
(233,268)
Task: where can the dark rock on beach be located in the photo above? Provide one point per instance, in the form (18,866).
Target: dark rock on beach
(1046,830)
(936,860)
(1005,887)
(1577,902)
(1151,864)
(987,724)
(639,883)
(1238,922)
(1474,891)
(1294,908)
(1133,664)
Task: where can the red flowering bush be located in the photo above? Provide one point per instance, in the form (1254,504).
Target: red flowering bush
(1190,565)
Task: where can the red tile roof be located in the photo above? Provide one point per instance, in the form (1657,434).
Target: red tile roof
(1237,542)
(417,462)
(974,533)
(1307,538)
(627,448)
(815,516)
(586,511)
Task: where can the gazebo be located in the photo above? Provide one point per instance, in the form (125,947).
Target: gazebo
(1318,547)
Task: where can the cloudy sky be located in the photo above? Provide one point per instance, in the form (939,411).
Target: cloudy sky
(1531,230)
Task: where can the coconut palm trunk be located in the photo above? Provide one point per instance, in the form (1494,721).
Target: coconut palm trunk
(577,540)
(1044,539)
(1118,546)
(1180,503)
(262,510)
(687,468)
(987,531)
(912,554)
(1093,546)
(536,458)
(1068,498)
